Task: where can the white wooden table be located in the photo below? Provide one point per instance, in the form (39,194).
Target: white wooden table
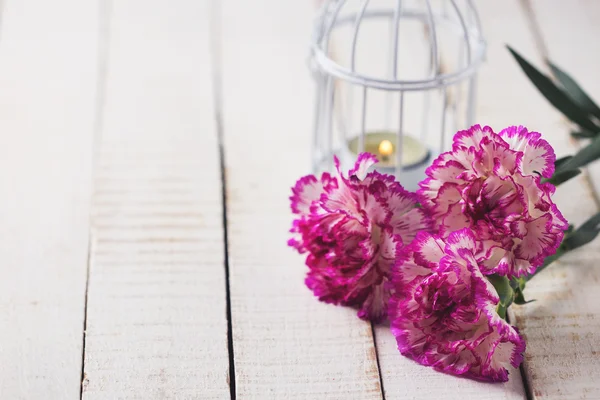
(133,129)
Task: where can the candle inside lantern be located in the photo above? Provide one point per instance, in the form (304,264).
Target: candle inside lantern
(381,144)
(386,148)
(415,156)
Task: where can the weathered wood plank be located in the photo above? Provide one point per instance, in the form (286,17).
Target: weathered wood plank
(47,97)
(286,343)
(563,326)
(156,325)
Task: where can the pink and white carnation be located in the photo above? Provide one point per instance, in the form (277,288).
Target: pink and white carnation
(443,310)
(352,229)
(492,184)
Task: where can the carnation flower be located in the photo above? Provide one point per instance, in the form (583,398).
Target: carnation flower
(352,229)
(443,310)
(492,183)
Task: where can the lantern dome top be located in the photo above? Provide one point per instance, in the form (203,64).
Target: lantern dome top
(451,29)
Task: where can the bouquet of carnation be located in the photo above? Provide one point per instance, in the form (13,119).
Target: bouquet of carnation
(445,263)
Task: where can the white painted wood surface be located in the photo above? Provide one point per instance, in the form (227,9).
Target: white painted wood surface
(563,327)
(156,319)
(287,345)
(47,95)
(156,312)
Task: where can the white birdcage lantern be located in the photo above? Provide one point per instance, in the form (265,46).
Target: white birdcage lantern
(394,78)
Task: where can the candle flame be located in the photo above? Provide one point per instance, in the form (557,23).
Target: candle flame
(386,148)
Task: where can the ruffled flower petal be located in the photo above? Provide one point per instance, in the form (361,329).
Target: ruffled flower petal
(472,137)
(491,184)
(443,310)
(539,237)
(427,249)
(309,189)
(538,155)
(352,228)
(362,165)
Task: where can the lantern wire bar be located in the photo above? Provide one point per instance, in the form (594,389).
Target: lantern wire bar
(433,64)
(472,90)
(444,112)
(436,70)
(465,29)
(462,62)
(399,137)
(473,11)
(320,47)
(357,23)
(396,25)
(433,41)
(363,128)
(318,120)
(331,23)
(394,76)
(447,78)
(472,97)
(330,93)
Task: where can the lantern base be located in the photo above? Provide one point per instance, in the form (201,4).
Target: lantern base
(416,157)
(414,152)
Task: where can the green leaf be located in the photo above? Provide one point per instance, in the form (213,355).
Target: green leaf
(514,285)
(586,155)
(590,223)
(518,285)
(584,234)
(520,299)
(563,176)
(502,286)
(581,238)
(556,96)
(560,161)
(505,292)
(570,229)
(583,135)
(574,90)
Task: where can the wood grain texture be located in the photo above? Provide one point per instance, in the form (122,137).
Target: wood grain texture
(47,92)
(563,326)
(156,326)
(287,345)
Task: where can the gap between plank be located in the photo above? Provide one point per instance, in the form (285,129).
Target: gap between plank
(85,315)
(332,46)
(215,54)
(104,9)
(373,335)
(526,386)
(219,123)
(226,256)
